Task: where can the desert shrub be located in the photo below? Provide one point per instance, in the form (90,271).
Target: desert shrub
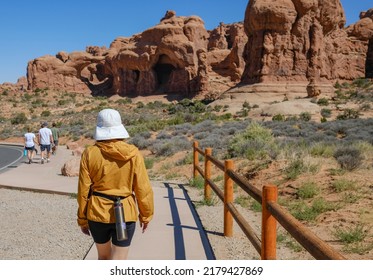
(308,190)
(201,135)
(139,141)
(303,211)
(149,163)
(37,102)
(349,158)
(140,105)
(305,116)
(168,147)
(124,101)
(243,200)
(155,105)
(181,129)
(187,105)
(62,102)
(253,143)
(322,149)
(156,125)
(197,182)
(351,234)
(163,135)
(20,118)
(326,113)
(278,118)
(45,113)
(188,159)
(348,114)
(207,125)
(6,133)
(214,141)
(343,185)
(295,168)
(362,83)
(323,102)
(217,108)
(365,107)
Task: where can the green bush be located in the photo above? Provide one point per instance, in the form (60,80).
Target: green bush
(256,142)
(149,163)
(45,113)
(326,113)
(351,234)
(19,119)
(197,182)
(343,185)
(362,83)
(308,190)
(323,102)
(348,114)
(305,212)
(278,118)
(305,116)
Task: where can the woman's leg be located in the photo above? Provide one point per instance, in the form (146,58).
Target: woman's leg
(104,251)
(119,253)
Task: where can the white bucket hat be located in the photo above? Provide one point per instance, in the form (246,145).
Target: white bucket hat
(109,126)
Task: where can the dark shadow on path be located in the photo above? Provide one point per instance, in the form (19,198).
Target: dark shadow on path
(178,227)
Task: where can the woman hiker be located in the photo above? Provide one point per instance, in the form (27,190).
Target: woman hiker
(109,169)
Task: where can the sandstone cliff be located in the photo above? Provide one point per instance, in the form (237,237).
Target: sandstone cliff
(285,41)
(176,56)
(302,40)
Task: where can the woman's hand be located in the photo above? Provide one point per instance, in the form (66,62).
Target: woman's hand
(144,226)
(85,230)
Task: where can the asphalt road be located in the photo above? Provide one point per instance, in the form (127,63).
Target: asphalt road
(10,156)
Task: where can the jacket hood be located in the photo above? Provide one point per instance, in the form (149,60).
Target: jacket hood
(117,149)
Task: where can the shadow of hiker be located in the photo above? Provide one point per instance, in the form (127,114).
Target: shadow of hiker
(178,227)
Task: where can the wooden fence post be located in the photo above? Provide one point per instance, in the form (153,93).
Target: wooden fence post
(228,198)
(208,152)
(195,159)
(269,224)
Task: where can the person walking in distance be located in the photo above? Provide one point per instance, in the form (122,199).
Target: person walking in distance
(113,173)
(30,144)
(56,135)
(45,141)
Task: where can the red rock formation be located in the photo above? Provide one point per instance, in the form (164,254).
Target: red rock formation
(363,29)
(176,56)
(303,41)
(283,41)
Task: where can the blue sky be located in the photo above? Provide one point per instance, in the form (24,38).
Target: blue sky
(30,29)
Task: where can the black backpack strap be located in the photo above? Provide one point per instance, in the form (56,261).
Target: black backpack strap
(110,197)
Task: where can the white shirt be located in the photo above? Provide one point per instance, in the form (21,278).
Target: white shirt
(45,136)
(29,139)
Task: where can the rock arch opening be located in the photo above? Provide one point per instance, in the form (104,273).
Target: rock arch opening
(163,70)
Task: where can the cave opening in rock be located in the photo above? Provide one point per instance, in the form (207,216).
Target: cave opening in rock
(163,70)
(369,60)
(229,41)
(136,74)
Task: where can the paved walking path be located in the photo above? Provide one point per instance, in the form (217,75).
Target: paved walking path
(174,234)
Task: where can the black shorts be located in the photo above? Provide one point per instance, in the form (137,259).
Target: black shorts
(45,147)
(102,233)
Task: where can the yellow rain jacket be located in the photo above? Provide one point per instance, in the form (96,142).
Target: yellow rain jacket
(113,168)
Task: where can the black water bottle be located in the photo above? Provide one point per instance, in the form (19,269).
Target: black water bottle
(120,222)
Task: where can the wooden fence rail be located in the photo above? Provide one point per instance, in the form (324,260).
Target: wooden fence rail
(272,212)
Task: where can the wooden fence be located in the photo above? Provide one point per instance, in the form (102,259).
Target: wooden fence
(272,212)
